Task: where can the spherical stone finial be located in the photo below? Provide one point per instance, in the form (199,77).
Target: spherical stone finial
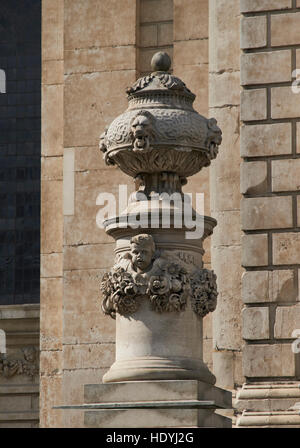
(161,62)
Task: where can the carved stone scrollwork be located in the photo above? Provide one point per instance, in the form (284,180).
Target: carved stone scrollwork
(27,366)
(145,272)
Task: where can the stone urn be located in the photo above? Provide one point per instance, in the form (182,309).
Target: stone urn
(158,290)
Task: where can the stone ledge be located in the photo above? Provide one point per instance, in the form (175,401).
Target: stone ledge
(175,390)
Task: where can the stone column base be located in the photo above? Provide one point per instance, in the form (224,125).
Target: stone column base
(154,404)
(269,405)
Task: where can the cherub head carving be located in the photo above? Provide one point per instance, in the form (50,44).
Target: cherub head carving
(141,130)
(142,249)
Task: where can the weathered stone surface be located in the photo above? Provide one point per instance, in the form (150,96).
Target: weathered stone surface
(155,10)
(51,265)
(255,287)
(269,286)
(86,94)
(52,29)
(255,250)
(88,256)
(224,89)
(254,178)
(52,72)
(98,59)
(50,390)
(191,23)
(52,168)
(253,104)
(191,52)
(51,220)
(95,326)
(266,140)
(268,360)
(286,248)
(266,67)
(266,213)
(165,34)
(285,29)
(264,5)
(102,15)
(256,323)
(287,320)
(285,175)
(195,76)
(253,32)
(84,356)
(227,219)
(284,103)
(51,313)
(52,129)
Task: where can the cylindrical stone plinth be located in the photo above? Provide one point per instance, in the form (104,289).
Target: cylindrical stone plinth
(151,345)
(155,341)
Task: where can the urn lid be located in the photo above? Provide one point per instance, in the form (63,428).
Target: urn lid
(160,131)
(160,82)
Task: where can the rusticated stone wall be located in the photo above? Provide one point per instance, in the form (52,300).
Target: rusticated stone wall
(270,113)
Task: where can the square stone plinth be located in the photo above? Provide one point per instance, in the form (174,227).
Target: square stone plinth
(155,404)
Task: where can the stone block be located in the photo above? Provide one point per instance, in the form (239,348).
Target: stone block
(268,361)
(52,128)
(190,20)
(52,72)
(51,395)
(88,256)
(266,213)
(255,287)
(254,178)
(52,168)
(282,286)
(51,265)
(227,266)
(285,175)
(164,390)
(149,35)
(87,94)
(17,403)
(51,362)
(112,25)
(224,41)
(88,158)
(223,367)
(284,103)
(227,219)
(253,32)
(95,327)
(266,67)
(286,248)
(285,29)
(192,52)
(51,313)
(256,323)
(53,30)
(287,320)
(51,217)
(224,89)
(90,60)
(86,356)
(156,418)
(269,286)
(266,140)
(253,104)
(165,34)
(264,5)
(255,250)
(155,10)
(298,211)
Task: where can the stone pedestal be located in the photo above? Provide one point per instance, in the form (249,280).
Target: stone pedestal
(154,404)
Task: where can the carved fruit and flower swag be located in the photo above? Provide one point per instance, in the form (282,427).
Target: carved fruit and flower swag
(168,286)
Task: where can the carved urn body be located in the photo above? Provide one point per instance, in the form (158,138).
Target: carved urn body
(157,289)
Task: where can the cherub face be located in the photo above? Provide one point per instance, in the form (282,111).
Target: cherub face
(141,256)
